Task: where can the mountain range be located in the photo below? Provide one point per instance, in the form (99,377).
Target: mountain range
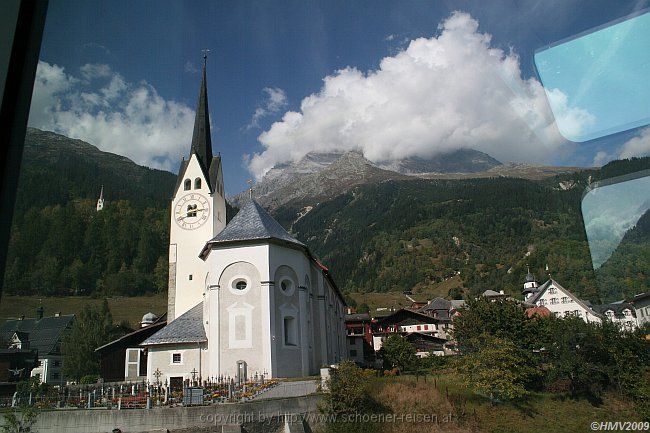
(321,176)
(56,169)
(380,227)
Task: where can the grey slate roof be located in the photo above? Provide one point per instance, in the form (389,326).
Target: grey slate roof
(539,292)
(252,222)
(214,173)
(436,304)
(616,307)
(44,334)
(489,293)
(357,317)
(187,328)
(530,278)
(458,303)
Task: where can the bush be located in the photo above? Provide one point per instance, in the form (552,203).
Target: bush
(349,397)
(498,369)
(89,379)
(348,390)
(397,352)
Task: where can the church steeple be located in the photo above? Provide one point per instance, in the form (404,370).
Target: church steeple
(201,140)
(530,285)
(100,202)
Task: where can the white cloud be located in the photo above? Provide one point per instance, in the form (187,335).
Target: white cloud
(117,116)
(275,99)
(91,71)
(191,68)
(438,94)
(602,158)
(637,146)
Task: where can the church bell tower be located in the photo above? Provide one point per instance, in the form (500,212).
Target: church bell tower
(530,286)
(198,212)
(100,202)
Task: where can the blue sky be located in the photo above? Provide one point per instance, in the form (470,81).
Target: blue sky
(124,75)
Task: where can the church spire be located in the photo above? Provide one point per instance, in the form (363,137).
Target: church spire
(201,140)
(100,202)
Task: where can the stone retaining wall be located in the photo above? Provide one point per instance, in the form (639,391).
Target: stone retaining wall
(171,418)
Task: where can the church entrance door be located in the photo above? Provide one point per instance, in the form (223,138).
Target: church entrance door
(176,383)
(241,371)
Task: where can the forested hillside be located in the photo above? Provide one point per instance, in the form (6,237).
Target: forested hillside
(61,245)
(401,235)
(57,169)
(629,265)
(392,235)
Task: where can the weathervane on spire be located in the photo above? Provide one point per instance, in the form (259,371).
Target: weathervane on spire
(205,52)
(250,190)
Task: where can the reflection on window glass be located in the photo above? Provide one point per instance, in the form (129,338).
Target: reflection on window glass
(615,215)
(596,83)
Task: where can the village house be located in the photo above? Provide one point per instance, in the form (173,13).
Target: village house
(434,331)
(358,328)
(559,300)
(621,313)
(641,304)
(43,335)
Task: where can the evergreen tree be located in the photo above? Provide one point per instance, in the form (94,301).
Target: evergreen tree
(92,329)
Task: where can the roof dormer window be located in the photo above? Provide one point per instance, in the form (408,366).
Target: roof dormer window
(197,183)
(187,185)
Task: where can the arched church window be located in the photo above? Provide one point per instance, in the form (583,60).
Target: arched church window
(188,185)
(191,210)
(197,183)
(290,331)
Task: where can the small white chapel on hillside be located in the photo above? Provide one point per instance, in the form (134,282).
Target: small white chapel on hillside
(244,298)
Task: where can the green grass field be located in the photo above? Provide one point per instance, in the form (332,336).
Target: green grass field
(130,309)
(399,300)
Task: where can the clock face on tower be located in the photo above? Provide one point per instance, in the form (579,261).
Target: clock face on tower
(191,211)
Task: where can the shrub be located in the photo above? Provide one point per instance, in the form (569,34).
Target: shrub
(498,369)
(89,379)
(398,353)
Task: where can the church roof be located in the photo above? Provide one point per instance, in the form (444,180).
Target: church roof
(530,278)
(181,173)
(201,140)
(187,328)
(252,222)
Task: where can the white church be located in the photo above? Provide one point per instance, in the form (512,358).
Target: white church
(244,298)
